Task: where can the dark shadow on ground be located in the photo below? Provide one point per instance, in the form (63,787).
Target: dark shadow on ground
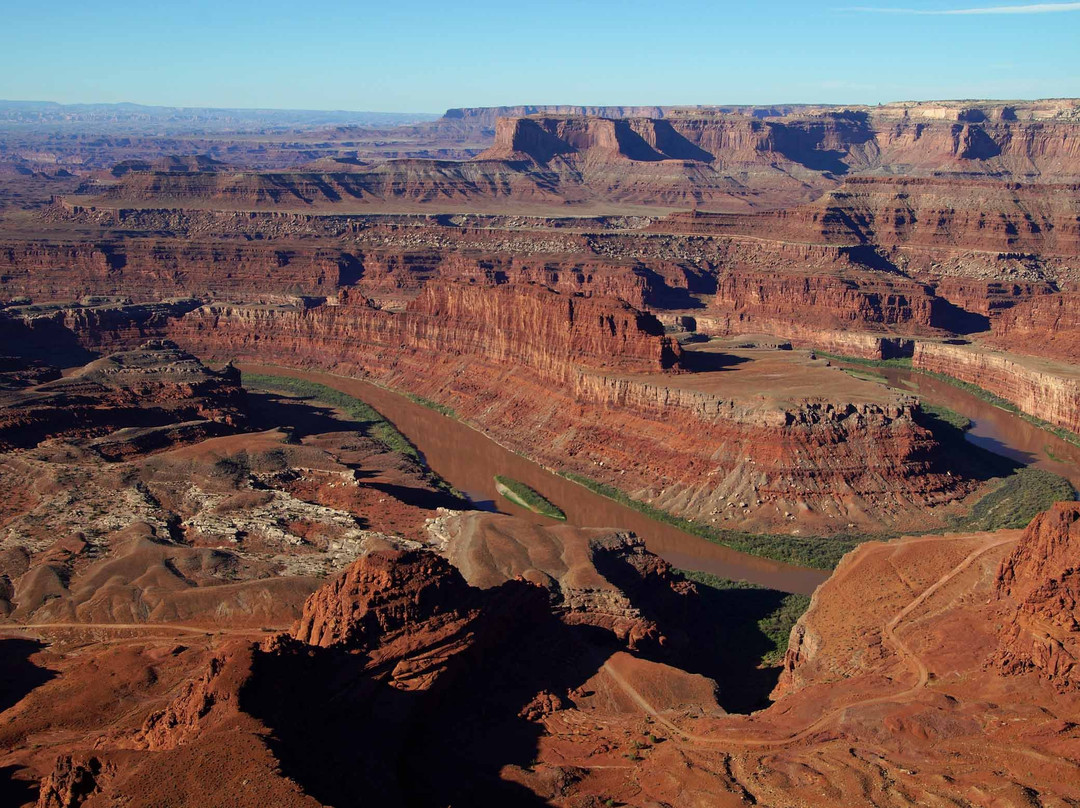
(14,791)
(871,257)
(18,674)
(348,738)
(304,415)
(713,632)
(419,497)
(709,361)
(475,728)
(957,454)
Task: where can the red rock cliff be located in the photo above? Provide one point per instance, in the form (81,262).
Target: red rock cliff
(1048,325)
(1043,389)
(1042,580)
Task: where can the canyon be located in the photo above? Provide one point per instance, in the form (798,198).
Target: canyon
(257,380)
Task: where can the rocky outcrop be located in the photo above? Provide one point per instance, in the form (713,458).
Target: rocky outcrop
(1041,581)
(1048,391)
(635,283)
(205,703)
(531,326)
(381,594)
(990,298)
(74,780)
(156,386)
(778,303)
(594,577)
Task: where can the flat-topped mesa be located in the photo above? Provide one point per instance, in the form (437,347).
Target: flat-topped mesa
(636,139)
(1040,578)
(832,142)
(726,141)
(665,401)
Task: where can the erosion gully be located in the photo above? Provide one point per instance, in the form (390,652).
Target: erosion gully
(469,461)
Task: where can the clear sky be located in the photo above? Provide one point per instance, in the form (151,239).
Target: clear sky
(425,56)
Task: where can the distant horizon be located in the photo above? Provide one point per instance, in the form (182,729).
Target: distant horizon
(328,110)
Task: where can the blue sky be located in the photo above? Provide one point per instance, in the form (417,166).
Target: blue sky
(425,56)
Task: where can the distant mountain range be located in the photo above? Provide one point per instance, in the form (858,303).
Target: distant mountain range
(187,118)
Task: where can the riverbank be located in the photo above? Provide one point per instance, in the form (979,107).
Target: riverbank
(468,460)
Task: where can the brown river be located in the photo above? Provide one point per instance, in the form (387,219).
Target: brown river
(993,428)
(469,460)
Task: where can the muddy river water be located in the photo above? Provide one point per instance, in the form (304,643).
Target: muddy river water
(469,460)
(993,428)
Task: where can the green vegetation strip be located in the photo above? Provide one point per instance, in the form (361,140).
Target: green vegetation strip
(521,494)
(371,421)
(1017,501)
(865,375)
(946,416)
(819,552)
(872,363)
(1012,504)
(442,409)
(776,625)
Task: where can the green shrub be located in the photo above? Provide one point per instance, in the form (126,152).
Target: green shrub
(944,415)
(1017,501)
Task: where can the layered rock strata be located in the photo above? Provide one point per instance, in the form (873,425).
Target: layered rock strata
(1047,390)
(156,386)
(687,451)
(1046,326)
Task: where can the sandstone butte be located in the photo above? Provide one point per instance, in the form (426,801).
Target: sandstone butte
(216,590)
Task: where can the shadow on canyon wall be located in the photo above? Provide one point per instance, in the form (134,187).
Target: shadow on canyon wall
(337,722)
(714,632)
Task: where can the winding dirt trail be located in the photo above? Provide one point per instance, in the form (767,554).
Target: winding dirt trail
(889,633)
